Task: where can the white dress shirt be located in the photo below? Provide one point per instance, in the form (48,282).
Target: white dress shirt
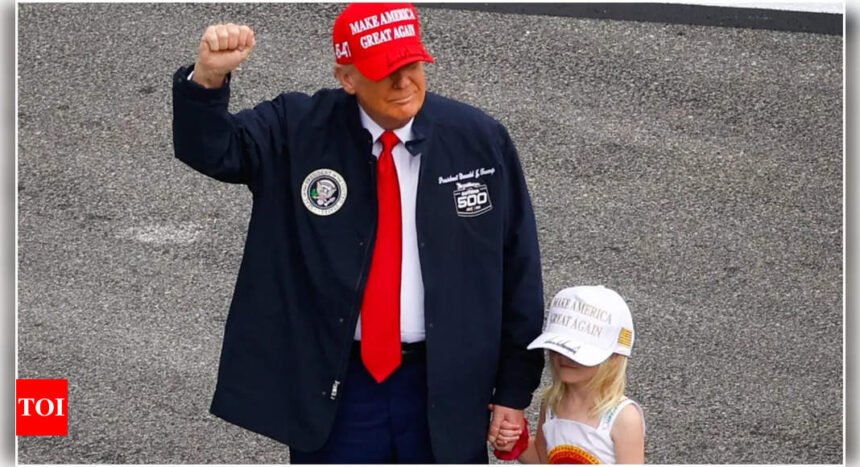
(411,283)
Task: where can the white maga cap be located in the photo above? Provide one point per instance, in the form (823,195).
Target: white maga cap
(587,324)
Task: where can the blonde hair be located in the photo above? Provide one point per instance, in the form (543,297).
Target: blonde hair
(607,385)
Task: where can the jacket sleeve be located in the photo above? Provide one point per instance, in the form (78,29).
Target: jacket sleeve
(208,138)
(519,370)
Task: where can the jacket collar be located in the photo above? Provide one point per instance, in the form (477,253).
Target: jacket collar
(421,125)
(403,133)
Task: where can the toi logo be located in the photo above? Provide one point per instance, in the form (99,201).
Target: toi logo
(41,407)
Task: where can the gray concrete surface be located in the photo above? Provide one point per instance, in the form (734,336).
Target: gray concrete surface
(697,170)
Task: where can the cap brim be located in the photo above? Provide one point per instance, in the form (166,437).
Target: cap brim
(377,67)
(584,354)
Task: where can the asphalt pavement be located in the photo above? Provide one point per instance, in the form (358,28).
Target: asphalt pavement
(698,170)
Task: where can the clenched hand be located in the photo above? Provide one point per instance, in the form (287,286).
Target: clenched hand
(223,47)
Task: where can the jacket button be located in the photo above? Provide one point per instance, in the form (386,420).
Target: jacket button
(422,244)
(340,320)
(361,243)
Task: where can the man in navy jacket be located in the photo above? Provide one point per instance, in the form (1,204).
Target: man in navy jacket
(295,364)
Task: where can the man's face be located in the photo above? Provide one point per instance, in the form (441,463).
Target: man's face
(392,101)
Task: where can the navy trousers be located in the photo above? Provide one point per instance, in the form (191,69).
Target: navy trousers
(379,423)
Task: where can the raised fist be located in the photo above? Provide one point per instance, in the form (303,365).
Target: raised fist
(223,47)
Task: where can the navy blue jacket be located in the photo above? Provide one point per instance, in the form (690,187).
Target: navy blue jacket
(296,302)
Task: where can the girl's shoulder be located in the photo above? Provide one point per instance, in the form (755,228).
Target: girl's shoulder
(626,417)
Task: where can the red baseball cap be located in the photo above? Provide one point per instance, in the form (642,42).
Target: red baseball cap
(378,38)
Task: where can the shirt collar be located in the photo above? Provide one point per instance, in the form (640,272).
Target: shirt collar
(403,133)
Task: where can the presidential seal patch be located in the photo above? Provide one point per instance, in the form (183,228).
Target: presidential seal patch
(324,192)
(472,199)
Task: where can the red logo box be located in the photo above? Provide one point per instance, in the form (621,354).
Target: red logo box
(41,407)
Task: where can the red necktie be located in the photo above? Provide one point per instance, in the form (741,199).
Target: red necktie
(380,308)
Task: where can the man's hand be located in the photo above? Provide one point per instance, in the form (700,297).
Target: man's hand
(508,435)
(506,426)
(223,47)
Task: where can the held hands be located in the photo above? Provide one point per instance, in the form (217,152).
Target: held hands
(506,427)
(223,47)
(509,433)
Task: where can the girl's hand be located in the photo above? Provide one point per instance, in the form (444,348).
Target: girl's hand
(508,435)
(512,430)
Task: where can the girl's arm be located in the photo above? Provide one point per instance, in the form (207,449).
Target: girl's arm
(530,455)
(628,434)
(536,452)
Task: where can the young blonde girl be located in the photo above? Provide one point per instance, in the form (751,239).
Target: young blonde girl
(584,416)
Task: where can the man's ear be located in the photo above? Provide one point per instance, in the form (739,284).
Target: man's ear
(343,73)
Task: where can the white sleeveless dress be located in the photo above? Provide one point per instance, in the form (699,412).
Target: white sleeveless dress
(572,442)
